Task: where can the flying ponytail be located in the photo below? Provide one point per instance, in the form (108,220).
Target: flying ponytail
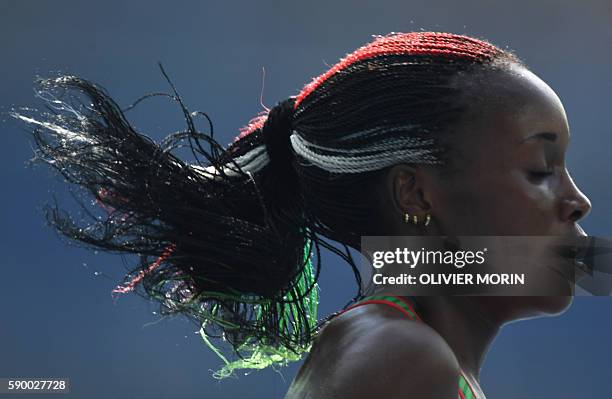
(214,242)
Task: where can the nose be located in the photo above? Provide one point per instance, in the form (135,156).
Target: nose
(575,205)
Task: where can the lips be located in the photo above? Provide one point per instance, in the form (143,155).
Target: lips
(567,251)
(574,254)
(582,269)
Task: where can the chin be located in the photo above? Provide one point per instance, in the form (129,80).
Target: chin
(527,307)
(557,296)
(554,305)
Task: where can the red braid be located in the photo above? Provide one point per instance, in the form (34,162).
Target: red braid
(413,43)
(254,124)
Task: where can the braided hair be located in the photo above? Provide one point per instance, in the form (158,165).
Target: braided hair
(229,239)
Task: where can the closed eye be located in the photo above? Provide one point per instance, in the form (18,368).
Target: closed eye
(540,175)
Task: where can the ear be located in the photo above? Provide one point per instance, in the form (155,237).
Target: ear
(407,188)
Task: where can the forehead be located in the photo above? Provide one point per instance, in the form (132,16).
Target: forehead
(502,107)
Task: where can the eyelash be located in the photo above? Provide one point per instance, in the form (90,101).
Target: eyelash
(537,175)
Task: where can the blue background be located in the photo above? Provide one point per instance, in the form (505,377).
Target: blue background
(57,317)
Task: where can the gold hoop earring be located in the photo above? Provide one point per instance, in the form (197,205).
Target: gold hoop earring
(415,219)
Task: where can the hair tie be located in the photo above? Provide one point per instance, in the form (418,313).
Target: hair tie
(276,131)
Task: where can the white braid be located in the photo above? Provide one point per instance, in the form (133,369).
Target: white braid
(374,130)
(60,132)
(252,162)
(383,145)
(389,152)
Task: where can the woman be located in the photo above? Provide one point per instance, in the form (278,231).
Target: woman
(419,133)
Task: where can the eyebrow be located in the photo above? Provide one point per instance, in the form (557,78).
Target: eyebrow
(541,136)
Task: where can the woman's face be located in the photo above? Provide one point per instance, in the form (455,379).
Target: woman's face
(508,173)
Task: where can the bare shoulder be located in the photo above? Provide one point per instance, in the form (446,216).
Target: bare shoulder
(375,353)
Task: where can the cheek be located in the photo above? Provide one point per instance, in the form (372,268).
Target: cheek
(504,204)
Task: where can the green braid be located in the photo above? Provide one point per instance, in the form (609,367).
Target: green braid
(261,356)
